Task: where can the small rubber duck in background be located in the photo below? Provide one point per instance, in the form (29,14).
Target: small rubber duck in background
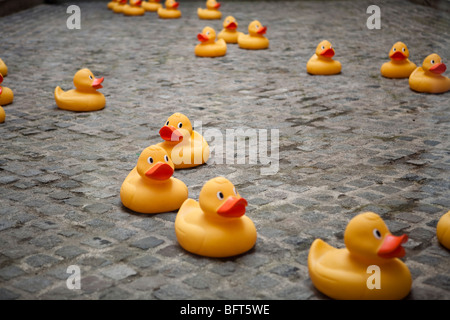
(151,5)
(321,63)
(443,230)
(211,12)
(134,8)
(229,32)
(208,46)
(6,94)
(2,115)
(428,78)
(170,11)
(255,39)
(399,67)
(3,68)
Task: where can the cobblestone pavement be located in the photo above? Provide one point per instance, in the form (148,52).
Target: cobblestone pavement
(349,143)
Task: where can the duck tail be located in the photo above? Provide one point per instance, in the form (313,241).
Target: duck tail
(58,93)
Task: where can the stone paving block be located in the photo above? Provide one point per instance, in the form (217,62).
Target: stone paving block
(119,272)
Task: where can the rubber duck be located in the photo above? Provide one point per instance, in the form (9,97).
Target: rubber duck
(2,115)
(120,5)
(211,12)
(443,230)
(170,11)
(428,78)
(150,187)
(344,274)
(6,94)
(112,3)
(255,39)
(208,46)
(229,32)
(321,63)
(3,68)
(134,8)
(85,97)
(186,147)
(399,66)
(151,5)
(216,225)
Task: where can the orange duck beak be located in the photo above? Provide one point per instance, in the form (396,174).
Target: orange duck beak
(217,5)
(160,171)
(261,30)
(397,55)
(232,25)
(138,3)
(175,5)
(438,68)
(97,83)
(169,133)
(202,38)
(233,207)
(327,53)
(392,247)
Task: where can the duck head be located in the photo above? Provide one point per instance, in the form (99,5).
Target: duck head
(212,4)
(368,238)
(171,4)
(154,164)
(208,35)
(85,80)
(230,23)
(399,52)
(176,128)
(324,50)
(219,200)
(256,29)
(433,63)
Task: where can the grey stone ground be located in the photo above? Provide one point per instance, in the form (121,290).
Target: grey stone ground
(348,144)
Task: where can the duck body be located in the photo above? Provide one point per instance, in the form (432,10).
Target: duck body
(85,96)
(321,62)
(428,78)
(150,187)
(170,11)
(6,94)
(3,68)
(151,6)
(399,66)
(111,4)
(344,273)
(186,147)
(200,230)
(255,39)
(2,115)
(443,230)
(134,8)
(229,32)
(120,6)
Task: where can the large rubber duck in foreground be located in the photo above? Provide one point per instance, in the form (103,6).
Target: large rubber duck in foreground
(321,63)
(255,39)
(120,5)
(134,8)
(150,187)
(216,226)
(428,78)
(6,94)
(443,230)
(186,147)
(3,68)
(399,66)
(151,5)
(346,273)
(211,12)
(208,46)
(170,11)
(229,32)
(85,96)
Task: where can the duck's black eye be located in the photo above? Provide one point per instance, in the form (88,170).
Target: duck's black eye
(395,49)
(403,49)
(432,61)
(167,123)
(166,158)
(90,77)
(150,160)
(323,47)
(180,125)
(377,233)
(220,195)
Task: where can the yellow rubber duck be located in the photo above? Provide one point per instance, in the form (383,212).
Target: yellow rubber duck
(399,66)
(2,115)
(255,39)
(346,273)
(321,63)
(6,94)
(3,68)
(428,78)
(443,230)
(85,97)
(208,46)
(229,32)
(150,187)
(120,5)
(112,3)
(216,225)
(186,147)
(151,5)
(211,12)
(134,8)
(170,11)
